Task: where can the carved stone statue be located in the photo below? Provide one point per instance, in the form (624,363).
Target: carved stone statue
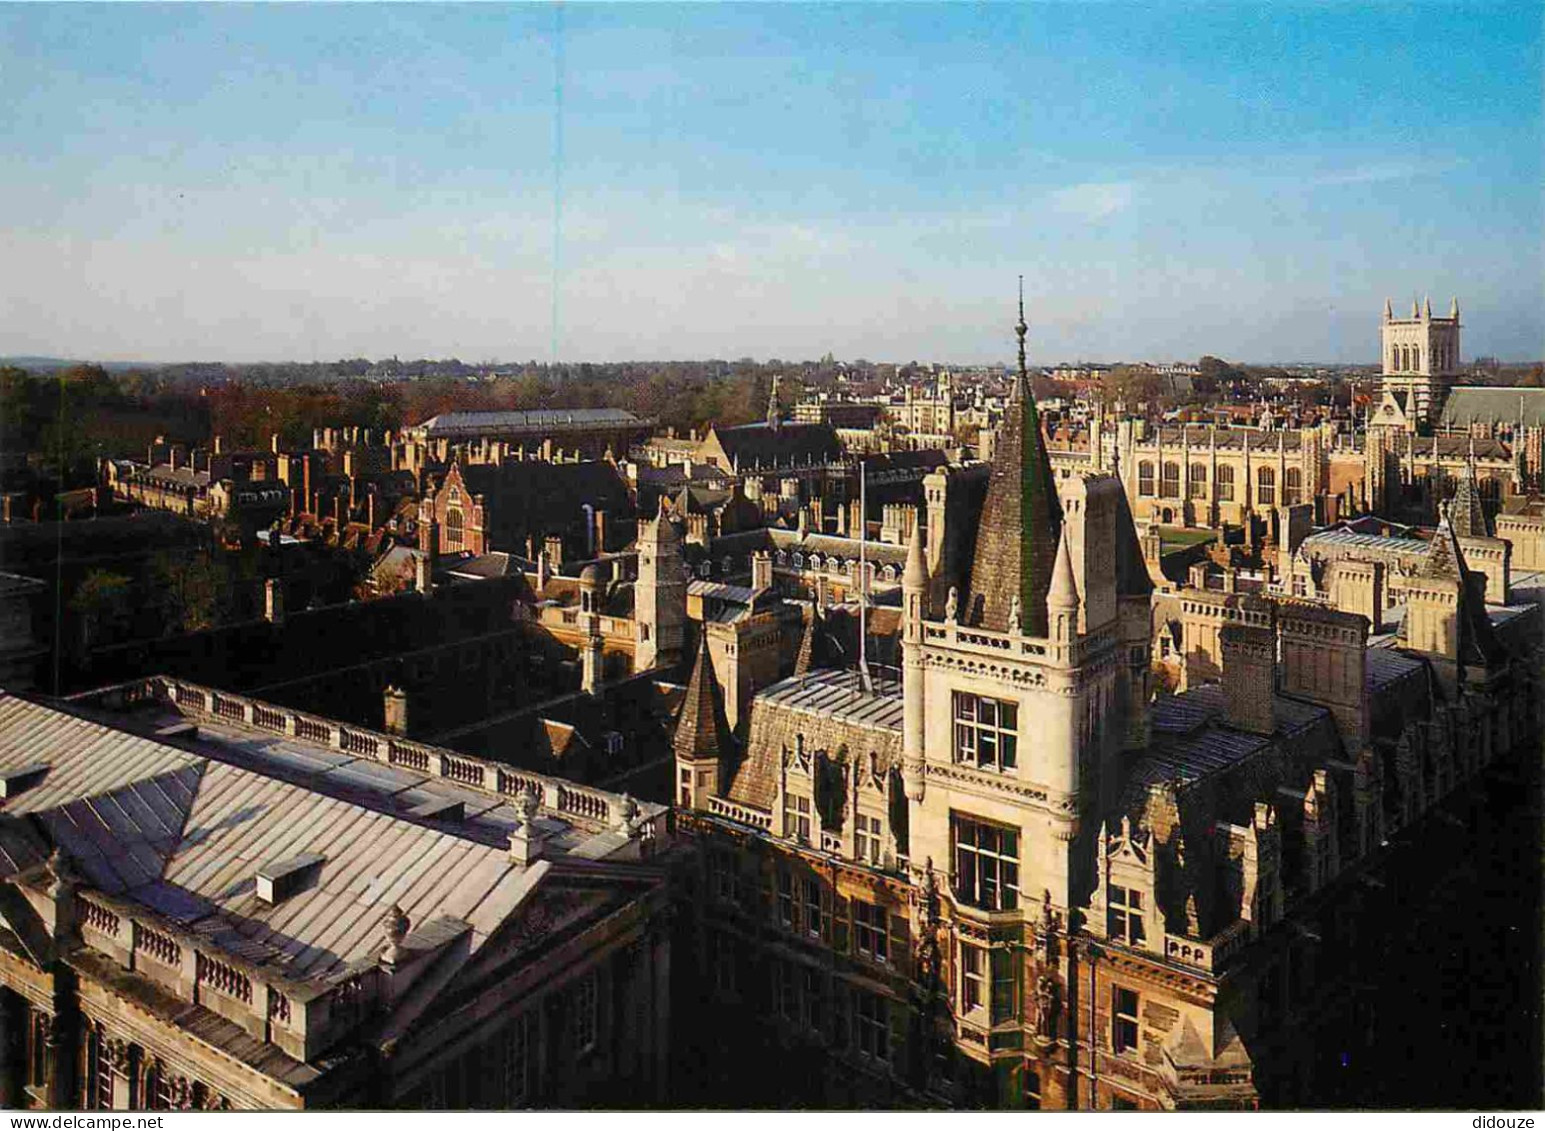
(1046,1008)
(526,806)
(952,604)
(1015,617)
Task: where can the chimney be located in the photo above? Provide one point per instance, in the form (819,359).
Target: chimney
(424,573)
(542,572)
(219,445)
(555,551)
(761,570)
(273,443)
(395,709)
(1249,677)
(600,532)
(273,598)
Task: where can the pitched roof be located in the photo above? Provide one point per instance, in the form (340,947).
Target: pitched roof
(761,444)
(1482,404)
(1467,513)
(535,421)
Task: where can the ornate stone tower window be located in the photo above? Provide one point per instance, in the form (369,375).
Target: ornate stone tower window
(986,732)
(986,864)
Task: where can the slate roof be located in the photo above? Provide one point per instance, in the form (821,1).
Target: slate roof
(761,445)
(536,497)
(1468,404)
(701,729)
(827,710)
(1016,541)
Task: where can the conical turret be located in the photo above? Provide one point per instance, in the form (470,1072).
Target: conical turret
(1389,311)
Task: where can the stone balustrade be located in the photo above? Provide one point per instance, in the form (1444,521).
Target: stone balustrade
(589,808)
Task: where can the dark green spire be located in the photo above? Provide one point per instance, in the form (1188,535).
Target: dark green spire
(1016,543)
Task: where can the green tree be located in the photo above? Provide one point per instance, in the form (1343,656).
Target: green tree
(102,604)
(188,590)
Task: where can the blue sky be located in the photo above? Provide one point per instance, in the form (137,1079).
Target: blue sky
(242,182)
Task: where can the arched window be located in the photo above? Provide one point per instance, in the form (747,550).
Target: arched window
(1145,478)
(1405,359)
(1394,358)
(1169,485)
(1416,357)
(453,530)
(1226,483)
(1198,480)
(1266,486)
(1292,487)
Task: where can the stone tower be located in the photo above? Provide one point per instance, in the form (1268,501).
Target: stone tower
(1420,356)
(659,596)
(1013,702)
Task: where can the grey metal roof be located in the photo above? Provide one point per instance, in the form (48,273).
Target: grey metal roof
(1414,547)
(1385,666)
(836,695)
(451,424)
(184,835)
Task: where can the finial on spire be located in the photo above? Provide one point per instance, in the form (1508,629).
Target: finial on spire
(1453,310)
(1020,329)
(1389,311)
(1427,306)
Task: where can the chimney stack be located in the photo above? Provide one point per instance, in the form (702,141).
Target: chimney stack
(273,597)
(395,709)
(761,570)
(1249,677)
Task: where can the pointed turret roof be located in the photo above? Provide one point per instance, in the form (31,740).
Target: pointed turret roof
(1467,514)
(1063,592)
(916,571)
(702,730)
(1016,543)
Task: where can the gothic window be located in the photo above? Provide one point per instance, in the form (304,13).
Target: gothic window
(1169,486)
(1292,487)
(873,1017)
(986,732)
(1124,1019)
(868,846)
(1394,358)
(1145,478)
(1416,357)
(796,817)
(1198,478)
(973,978)
(586,1013)
(1266,486)
(986,864)
(869,930)
(1124,915)
(1226,484)
(453,530)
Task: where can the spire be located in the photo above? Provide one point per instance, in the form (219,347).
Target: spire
(1453,310)
(702,731)
(1389,311)
(1416,310)
(1444,559)
(1427,306)
(774,417)
(1467,513)
(1022,385)
(1016,541)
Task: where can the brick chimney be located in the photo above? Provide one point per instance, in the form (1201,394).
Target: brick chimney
(1249,677)
(273,598)
(761,570)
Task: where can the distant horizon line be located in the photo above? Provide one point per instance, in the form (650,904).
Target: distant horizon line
(21,360)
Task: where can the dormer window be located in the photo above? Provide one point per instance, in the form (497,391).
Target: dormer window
(1124,915)
(796,817)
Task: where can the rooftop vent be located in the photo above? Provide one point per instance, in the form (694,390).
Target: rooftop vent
(18,781)
(278,881)
(440,809)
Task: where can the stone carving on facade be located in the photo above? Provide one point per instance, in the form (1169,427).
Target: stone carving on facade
(952,605)
(1015,617)
(526,806)
(1046,1009)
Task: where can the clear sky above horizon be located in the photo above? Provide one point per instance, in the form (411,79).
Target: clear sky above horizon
(298,182)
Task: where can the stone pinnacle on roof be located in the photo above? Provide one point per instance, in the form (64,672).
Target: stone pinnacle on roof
(916,571)
(1062,594)
(1016,542)
(702,730)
